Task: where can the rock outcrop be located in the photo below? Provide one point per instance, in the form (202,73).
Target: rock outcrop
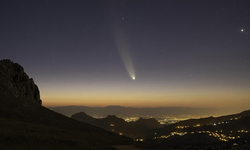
(14,80)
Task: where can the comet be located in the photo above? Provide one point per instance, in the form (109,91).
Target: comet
(124,51)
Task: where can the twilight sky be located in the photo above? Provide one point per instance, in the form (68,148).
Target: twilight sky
(188,53)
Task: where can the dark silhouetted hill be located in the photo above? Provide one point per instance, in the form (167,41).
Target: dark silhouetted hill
(151,123)
(112,123)
(25,124)
(213,120)
(81,116)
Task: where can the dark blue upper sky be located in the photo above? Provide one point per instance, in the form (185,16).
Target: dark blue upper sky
(183,53)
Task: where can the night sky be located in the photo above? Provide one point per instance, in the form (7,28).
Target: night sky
(139,53)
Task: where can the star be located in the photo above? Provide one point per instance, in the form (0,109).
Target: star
(242,30)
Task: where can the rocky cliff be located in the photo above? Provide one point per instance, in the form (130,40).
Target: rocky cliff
(14,81)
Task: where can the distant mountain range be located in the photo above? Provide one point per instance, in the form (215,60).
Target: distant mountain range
(26,124)
(141,112)
(112,123)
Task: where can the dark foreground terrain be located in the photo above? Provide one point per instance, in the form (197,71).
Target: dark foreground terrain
(25,124)
(35,127)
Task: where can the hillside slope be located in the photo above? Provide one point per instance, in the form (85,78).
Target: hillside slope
(26,124)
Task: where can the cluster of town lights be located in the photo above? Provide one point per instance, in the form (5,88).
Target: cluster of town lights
(216,134)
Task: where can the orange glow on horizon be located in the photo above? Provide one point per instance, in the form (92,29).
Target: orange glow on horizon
(201,98)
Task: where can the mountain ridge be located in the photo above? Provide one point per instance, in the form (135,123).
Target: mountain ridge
(131,111)
(118,125)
